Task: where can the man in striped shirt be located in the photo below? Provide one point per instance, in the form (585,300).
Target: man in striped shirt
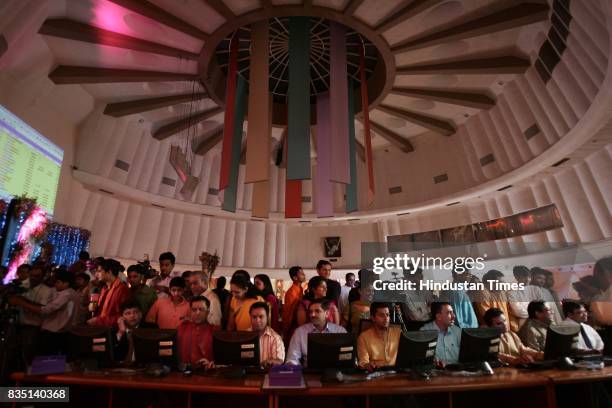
(271,347)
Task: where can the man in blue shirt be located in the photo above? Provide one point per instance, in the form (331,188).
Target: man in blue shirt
(298,346)
(449,335)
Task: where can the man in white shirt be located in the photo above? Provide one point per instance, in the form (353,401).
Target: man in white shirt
(589,339)
(199,287)
(57,313)
(345,290)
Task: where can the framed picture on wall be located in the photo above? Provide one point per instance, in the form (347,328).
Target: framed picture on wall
(331,247)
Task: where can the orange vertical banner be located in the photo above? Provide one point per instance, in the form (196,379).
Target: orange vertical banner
(258,132)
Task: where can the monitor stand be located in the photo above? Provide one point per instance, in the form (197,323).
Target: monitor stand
(330,375)
(234,373)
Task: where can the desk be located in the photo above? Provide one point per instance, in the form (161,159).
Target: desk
(537,388)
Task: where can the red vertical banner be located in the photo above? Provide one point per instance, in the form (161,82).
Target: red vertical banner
(365,108)
(228,129)
(293,199)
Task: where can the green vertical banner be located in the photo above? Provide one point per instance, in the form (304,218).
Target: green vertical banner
(298,115)
(230,193)
(351,188)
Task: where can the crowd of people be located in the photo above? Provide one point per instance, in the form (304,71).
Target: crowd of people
(99,292)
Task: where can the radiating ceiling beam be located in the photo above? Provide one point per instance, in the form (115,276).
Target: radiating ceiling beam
(396,140)
(360,150)
(143,105)
(220,7)
(3,45)
(182,124)
(469,99)
(148,9)
(243,150)
(479,66)
(67,74)
(516,16)
(211,141)
(352,6)
(74,30)
(412,9)
(429,122)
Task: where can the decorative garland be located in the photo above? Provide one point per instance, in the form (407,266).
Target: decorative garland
(31,224)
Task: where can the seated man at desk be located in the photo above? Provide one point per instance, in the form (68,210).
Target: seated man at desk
(195,335)
(377,346)
(449,335)
(533,331)
(131,318)
(271,347)
(511,348)
(298,346)
(589,340)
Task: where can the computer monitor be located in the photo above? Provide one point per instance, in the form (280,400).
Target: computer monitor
(606,337)
(331,351)
(92,346)
(239,348)
(416,349)
(479,345)
(561,341)
(155,346)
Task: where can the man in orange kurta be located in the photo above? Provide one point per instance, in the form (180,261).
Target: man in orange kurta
(113,294)
(293,296)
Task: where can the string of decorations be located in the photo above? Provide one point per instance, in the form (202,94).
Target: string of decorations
(67,243)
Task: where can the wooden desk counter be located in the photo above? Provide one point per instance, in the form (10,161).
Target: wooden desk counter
(171,382)
(402,384)
(577,376)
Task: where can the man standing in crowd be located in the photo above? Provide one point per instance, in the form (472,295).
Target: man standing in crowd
(144,295)
(293,297)
(57,314)
(345,290)
(324,269)
(113,294)
(166,312)
(199,287)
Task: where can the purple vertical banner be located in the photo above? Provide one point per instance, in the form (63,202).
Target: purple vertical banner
(338,91)
(324,188)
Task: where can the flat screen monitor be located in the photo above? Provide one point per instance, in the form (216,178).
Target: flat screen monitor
(239,348)
(92,346)
(331,351)
(561,341)
(417,349)
(30,163)
(155,346)
(480,344)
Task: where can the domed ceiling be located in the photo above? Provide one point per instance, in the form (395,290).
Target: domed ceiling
(431,66)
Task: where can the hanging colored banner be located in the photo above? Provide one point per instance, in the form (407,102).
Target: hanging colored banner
(293,199)
(351,188)
(228,128)
(340,168)
(366,124)
(229,199)
(324,188)
(258,131)
(298,116)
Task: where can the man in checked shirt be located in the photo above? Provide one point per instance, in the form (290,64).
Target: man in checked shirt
(271,347)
